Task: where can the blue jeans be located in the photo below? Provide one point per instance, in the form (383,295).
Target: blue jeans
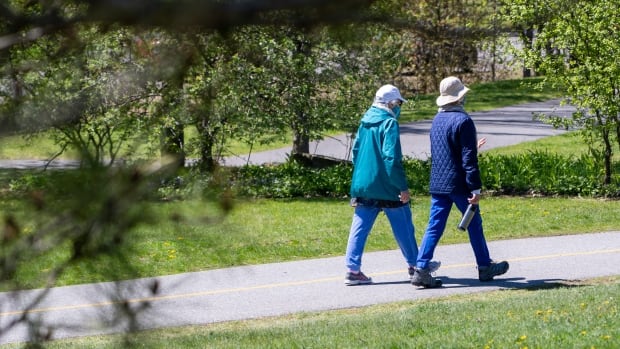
(401,221)
(439,212)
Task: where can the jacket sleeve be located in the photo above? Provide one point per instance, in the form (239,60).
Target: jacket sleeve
(393,156)
(469,154)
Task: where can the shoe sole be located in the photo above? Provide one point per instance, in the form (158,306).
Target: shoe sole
(357,282)
(437,284)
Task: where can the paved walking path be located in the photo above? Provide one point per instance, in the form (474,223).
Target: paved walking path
(257,291)
(315,285)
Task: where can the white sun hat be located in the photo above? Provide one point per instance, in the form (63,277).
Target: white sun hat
(451,89)
(388,93)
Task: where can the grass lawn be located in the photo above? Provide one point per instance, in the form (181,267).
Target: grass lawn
(567,144)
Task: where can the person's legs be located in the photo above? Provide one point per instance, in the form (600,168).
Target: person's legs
(439,212)
(487,268)
(363,220)
(404,232)
(475,231)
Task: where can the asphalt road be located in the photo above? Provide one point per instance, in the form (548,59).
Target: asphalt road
(501,127)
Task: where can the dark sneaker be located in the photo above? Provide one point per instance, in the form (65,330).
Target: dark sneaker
(493,270)
(357,279)
(423,278)
(432,267)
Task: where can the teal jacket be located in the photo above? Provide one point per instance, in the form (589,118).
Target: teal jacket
(378,171)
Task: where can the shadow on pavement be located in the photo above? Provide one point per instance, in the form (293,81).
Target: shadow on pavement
(507,283)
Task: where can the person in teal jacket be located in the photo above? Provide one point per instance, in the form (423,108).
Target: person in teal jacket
(379,184)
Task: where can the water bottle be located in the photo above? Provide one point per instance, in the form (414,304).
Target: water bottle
(467,216)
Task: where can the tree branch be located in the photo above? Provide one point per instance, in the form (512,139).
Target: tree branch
(180,15)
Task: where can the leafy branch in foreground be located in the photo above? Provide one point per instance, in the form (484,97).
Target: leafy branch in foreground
(89,215)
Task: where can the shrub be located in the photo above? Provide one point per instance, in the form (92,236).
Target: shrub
(544,173)
(532,173)
(292,180)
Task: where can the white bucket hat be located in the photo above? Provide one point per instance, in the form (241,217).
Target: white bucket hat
(451,89)
(388,93)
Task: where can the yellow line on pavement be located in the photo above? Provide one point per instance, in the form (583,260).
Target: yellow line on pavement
(266,286)
(166,297)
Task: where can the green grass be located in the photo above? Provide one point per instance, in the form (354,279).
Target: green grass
(19,147)
(567,144)
(563,315)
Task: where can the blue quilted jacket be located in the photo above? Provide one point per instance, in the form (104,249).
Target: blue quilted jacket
(454,154)
(378,171)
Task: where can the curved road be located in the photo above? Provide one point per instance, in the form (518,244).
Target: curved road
(501,127)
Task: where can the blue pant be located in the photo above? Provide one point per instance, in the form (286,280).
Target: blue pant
(439,212)
(400,219)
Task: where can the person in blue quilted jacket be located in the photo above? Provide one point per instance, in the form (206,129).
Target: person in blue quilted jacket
(455,180)
(379,184)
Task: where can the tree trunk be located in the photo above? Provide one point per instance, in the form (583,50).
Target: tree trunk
(608,153)
(208,161)
(528,40)
(301,139)
(173,144)
(301,144)
(618,133)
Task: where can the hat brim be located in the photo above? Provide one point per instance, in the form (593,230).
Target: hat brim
(445,100)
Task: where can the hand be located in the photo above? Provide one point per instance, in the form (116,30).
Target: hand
(482,141)
(475,199)
(404,196)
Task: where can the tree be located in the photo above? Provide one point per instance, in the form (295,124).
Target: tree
(302,77)
(92,98)
(251,90)
(444,37)
(301,81)
(64,59)
(573,49)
